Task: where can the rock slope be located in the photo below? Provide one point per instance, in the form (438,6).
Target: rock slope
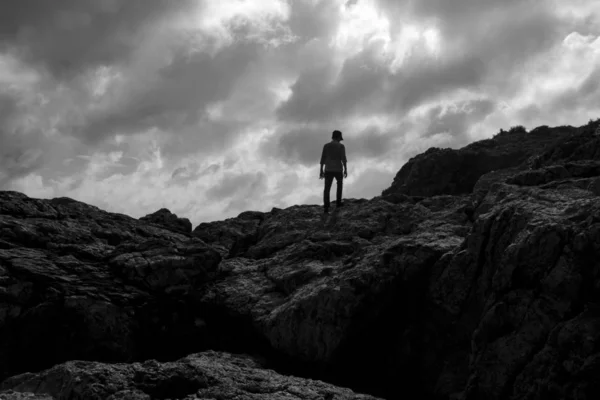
(494,293)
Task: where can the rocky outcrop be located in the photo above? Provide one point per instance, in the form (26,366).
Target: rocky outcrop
(523,291)
(447,171)
(109,288)
(332,299)
(80,283)
(209,375)
(167,219)
(490,294)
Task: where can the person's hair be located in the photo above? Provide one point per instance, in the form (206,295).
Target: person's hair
(336,134)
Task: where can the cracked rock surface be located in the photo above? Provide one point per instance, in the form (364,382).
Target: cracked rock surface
(531,305)
(335,298)
(78,282)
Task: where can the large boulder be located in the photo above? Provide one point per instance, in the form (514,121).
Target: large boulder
(209,375)
(448,171)
(80,283)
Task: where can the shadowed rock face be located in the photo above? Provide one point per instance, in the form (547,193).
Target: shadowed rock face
(490,295)
(301,293)
(209,375)
(455,172)
(78,282)
(331,300)
(166,219)
(528,270)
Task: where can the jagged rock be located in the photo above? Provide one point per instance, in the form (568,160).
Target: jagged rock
(447,171)
(209,375)
(319,294)
(527,275)
(78,282)
(167,219)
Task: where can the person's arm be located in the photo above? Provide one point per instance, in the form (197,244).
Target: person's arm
(344,161)
(322,161)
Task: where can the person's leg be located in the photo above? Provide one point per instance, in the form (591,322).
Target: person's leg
(339,177)
(328,182)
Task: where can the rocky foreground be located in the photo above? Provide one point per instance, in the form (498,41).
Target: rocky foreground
(419,293)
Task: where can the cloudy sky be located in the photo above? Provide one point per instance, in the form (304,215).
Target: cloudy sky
(213,107)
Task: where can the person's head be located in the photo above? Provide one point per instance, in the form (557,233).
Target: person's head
(337,135)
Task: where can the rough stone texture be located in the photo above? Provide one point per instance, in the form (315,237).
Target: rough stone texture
(167,219)
(208,375)
(523,290)
(447,171)
(78,282)
(335,299)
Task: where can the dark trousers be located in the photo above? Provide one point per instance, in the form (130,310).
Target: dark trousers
(339,178)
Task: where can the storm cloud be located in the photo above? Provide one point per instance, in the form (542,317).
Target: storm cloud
(69,36)
(172,98)
(20,148)
(457,119)
(485,43)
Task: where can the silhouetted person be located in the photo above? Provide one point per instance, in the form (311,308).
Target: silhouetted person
(333,159)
